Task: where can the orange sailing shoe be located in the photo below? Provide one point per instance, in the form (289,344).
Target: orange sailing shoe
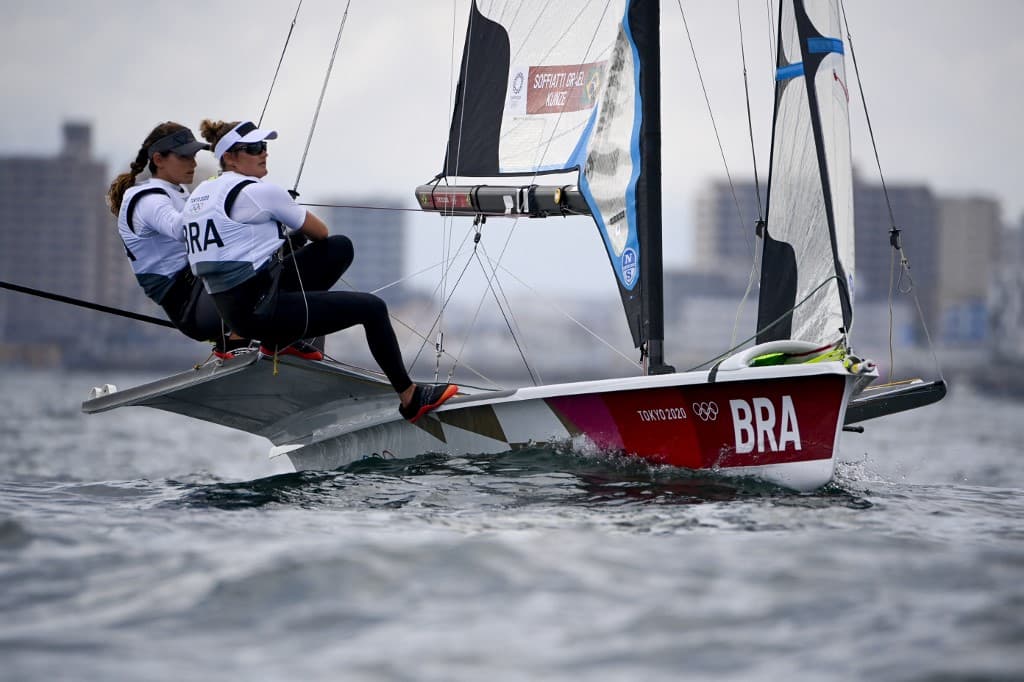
(427,398)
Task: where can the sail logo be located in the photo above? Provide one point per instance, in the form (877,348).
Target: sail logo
(516,104)
(758,425)
(629,267)
(517,83)
(561,88)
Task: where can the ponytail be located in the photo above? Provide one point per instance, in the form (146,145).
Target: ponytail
(212,131)
(123,181)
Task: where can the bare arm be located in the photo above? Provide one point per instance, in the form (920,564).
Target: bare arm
(313,227)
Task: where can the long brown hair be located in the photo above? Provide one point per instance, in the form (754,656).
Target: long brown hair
(212,131)
(125,180)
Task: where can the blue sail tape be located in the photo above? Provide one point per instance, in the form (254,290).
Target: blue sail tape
(820,45)
(791,71)
(814,46)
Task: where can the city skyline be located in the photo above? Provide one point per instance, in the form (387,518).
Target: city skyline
(968,242)
(123,67)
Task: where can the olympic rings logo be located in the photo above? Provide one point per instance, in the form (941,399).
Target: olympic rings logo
(708,412)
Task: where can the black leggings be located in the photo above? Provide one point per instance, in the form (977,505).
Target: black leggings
(251,310)
(191,309)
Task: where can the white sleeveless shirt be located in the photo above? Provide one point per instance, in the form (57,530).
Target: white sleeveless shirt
(149,223)
(226,251)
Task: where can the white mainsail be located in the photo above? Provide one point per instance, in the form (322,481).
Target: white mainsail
(809,250)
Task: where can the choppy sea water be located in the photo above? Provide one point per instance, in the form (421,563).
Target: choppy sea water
(138,545)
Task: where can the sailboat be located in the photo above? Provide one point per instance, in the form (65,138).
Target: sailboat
(556,88)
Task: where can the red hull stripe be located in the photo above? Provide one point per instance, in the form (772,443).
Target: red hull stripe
(731,424)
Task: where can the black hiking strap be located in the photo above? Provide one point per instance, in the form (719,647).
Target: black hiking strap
(229,200)
(135,200)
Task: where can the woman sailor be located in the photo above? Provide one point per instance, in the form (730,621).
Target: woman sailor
(235,224)
(149,222)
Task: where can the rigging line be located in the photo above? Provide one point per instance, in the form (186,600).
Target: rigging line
(867,116)
(472,325)
(770,25)
(892,324)
(586,55)
(448,355)
(534,376)
(462,109)
(400,280)
(515,17)
(302,288)
(504,296)
(911,288)
(439,321)
(447,264)
(415,332)
(362,207)
(750,119)
(323,91)
(279,61)
(746,295)
(714,125)
(579,324)
(904,261)
(444,304)
(778,319)
(501,256)
(447,226)
(447,239)
(757,181)
(85,304)
(305,153)
(492,276)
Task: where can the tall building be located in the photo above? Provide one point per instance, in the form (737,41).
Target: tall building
(57,235)
(378,235)
(1005,302)
(725,229)
(1011,248)
(916,213)
(725,239)
(969,246)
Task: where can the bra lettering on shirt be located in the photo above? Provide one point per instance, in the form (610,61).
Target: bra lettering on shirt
(210,236)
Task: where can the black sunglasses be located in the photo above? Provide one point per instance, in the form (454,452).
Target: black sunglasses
(252,148)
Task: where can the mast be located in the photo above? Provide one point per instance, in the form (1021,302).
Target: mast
(644,24)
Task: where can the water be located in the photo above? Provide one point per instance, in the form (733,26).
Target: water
(137,545)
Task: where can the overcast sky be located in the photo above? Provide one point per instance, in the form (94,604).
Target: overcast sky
(943,80)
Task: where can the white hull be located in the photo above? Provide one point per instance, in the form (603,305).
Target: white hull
(781,424)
